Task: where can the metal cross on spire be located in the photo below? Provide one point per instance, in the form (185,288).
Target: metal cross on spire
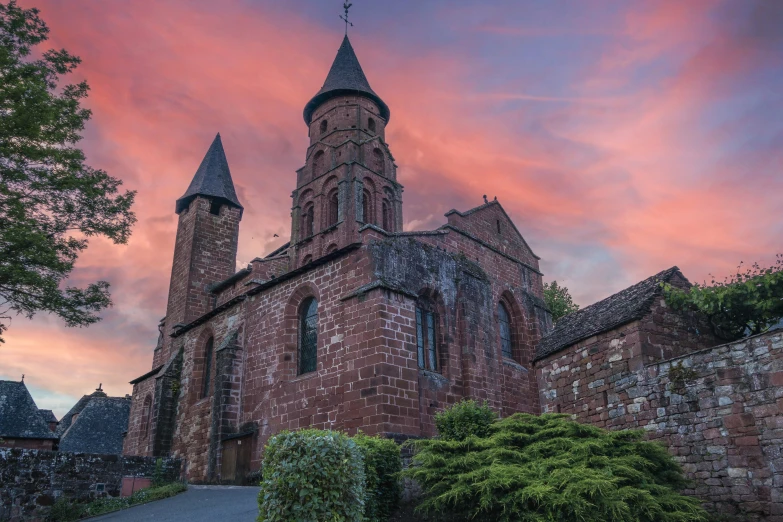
(346,6)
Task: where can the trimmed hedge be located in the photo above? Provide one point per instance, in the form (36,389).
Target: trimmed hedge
(382,465)
(548,468)
(464,419)
(312,476)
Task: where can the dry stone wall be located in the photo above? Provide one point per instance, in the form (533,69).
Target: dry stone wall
(31,480)
(720,411)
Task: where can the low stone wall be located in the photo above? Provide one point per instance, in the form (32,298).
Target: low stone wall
(31,480)
(720,411)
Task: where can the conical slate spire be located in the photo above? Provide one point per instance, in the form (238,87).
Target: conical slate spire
(345,78)
(212,179)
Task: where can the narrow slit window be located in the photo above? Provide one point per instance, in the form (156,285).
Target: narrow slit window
(207,368)
(427,338)
(308,336)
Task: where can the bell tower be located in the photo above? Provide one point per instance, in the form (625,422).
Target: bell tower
(349,179)
(206,245)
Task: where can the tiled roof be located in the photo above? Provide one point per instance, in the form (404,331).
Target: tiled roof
(19,416)
(99,426)
(212,178)
(47,416)
(623,307)
(346,77)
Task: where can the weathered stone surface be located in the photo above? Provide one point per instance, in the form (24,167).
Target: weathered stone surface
(31,480)
(723,421)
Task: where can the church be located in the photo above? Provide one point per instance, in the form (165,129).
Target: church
(354,324)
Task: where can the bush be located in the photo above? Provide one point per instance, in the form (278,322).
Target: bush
(311,476)
(464,419)
(382,466)
(65,510)
(549,468)
(746,303)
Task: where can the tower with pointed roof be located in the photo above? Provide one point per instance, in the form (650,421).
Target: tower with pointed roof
(349,179)
(206,245)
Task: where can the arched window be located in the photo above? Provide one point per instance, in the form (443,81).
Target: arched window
(504,323)
(377,160)
(308,218)
(146,415)
(318,163)
(207,381)
(386,215)
(427,335)
(367,215)
(334,208)
(324,125)
(308,336)
(371,125)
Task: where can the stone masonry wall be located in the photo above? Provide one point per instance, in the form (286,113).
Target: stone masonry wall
(720,411)
(31,480)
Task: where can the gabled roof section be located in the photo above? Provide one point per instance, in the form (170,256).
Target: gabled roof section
(47,415)
(19,416)
(623,307)
(346,77)
(77,408)
(99,427)
(212,179)
(488,205)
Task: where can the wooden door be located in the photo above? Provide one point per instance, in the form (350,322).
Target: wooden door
(243,455)
(228,466)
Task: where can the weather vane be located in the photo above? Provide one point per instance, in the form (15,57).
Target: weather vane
(346,6)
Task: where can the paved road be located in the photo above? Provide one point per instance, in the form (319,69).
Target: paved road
(197,504)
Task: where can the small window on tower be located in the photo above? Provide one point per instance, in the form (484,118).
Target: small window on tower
(371,125)
(324,125)
(214,207)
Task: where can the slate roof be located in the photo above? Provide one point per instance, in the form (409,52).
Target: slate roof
(47,416)
(19,416)
(77,408)
(346,77)
(212,178)
(623,307)
(98,427)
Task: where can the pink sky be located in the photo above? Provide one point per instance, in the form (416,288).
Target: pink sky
(623,138)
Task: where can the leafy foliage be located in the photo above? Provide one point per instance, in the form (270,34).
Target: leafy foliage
(746,303)
(382,466)
(51,202)
(558,300)
(550,469)
(66,510)
(464,419)
(312,476)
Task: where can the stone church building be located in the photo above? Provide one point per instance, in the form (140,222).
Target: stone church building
(353,324)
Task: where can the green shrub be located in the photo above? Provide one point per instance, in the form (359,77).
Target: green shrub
(746,303)
(311,476)
(382,466)
(65,510)
(548,468)
(464,419)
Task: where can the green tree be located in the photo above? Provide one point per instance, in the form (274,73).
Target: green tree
(548,468)
(463,419)
(558,300)
(51,202)
(746,303)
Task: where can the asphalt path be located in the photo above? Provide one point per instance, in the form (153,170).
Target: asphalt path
(197,504)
